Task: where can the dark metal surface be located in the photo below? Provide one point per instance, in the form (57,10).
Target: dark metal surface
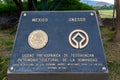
(58,29)
(63,76)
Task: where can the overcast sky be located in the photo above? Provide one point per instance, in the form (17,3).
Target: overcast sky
(109,1)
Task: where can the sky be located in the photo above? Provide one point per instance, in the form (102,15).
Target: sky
(109,1)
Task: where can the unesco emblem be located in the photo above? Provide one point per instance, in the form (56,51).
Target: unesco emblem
(78,39)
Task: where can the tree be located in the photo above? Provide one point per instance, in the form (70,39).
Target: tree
(52,5)
(117,35)
(7,1)
(19,5)
(32,6)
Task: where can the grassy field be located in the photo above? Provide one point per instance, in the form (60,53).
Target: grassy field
(112,51)
(106,13)
(6,44)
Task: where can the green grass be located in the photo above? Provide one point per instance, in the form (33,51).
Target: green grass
(114,71)
(3,67)
(6,40)
(107,34)
(112,51)
(6,44)
(106,13)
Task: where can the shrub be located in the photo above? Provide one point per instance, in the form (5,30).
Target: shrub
(7,7)
(65,5)
(75,6)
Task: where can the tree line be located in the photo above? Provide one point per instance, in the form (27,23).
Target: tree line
(52,5)
(111,7)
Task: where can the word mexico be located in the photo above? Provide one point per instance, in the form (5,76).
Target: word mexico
(58,45)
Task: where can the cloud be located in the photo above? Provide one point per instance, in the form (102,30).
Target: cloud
(109,1)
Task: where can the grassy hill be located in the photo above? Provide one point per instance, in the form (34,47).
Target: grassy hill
(106,13)
(95,3)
